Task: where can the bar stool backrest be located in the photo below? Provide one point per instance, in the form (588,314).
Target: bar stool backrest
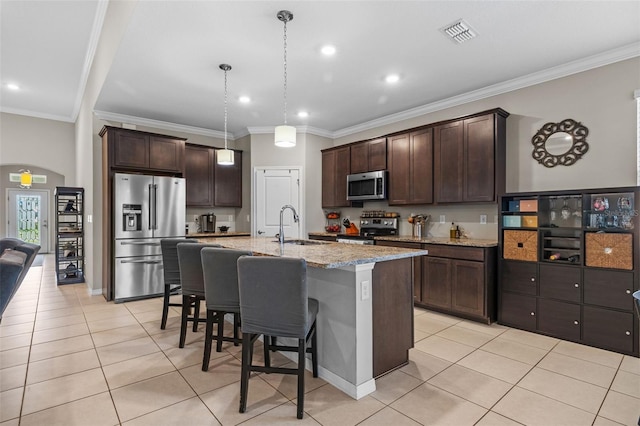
(220,270)
(191,267)
(170,265)
(273,296)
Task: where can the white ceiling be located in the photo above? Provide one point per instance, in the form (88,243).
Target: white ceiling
(166,68)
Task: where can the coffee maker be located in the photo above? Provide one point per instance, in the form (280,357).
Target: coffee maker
(208,222)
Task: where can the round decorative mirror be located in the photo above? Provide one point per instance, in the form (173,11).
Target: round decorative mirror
(561,143)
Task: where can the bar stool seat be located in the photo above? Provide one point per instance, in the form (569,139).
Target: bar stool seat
(192,280)
(274,303)
(220,272)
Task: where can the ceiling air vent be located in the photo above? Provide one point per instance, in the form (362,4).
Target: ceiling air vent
(459,31)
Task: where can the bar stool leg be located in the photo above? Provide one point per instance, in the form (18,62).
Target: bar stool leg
(196,313)
(165,306)
(301,364)
(207,339)
(236,328)
(220,331)
(186,307)
(267,357)
(314,351)
(247,349)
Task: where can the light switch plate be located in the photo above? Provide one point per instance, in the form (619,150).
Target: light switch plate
(366,290)
(442,219)
(483,219)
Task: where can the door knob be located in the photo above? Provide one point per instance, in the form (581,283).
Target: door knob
(260,232)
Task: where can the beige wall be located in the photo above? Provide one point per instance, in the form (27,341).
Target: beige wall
(601,99)
(38,142)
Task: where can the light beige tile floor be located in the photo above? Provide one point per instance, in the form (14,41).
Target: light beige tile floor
(68,358)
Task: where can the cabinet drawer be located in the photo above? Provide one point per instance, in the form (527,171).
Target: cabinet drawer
(520,277)
(608,329)
(560,282)
(612,289)
(455,252)
(518,311)
(559,319)
(402,244)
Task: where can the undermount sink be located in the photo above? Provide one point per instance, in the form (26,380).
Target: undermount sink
(304,242)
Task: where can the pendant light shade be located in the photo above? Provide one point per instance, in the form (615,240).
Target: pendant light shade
(285,136)
(224,157)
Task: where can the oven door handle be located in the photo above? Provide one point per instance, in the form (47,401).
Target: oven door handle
(150,262)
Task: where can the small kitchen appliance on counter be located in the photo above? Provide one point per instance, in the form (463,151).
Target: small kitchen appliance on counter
(208,222)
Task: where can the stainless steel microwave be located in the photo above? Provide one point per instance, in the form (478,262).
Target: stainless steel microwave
(367,186)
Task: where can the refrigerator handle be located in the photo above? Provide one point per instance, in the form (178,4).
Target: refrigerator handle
(153,212)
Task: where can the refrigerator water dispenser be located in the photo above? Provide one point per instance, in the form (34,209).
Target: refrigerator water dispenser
(131,217)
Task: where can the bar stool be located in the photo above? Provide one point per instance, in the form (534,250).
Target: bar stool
(220,272)
(274,302)
(171,270)
(192,285)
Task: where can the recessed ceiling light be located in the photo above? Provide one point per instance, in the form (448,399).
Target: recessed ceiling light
(244,99)
(392,78)
(328,50)
(13,86)
(303,114)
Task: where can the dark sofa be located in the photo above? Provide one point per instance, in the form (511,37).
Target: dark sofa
(16,257)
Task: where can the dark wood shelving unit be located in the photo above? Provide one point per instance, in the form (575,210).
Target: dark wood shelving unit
(69,235)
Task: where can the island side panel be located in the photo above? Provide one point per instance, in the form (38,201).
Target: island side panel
(392,314)
(344,327)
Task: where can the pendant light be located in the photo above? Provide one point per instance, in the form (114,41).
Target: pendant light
(26,178)
(225,156)
(285,136)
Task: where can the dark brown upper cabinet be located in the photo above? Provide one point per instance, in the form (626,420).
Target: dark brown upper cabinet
(335,168)
(410,160)
(199,175)
(369,156)
(469,158)
(227,189)
(142,151)
(210,184)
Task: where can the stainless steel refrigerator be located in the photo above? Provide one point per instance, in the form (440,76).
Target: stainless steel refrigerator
(146,209)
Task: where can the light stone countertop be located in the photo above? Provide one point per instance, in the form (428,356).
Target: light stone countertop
(319,254)
(218,234)
(467,242)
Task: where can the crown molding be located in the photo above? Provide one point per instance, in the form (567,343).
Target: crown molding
(36,114)
(574,67)
(94,39)
(139,121)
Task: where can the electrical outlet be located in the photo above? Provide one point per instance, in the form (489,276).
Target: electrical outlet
(365,290)
(195,217)
(89,218)
(248,218)
(230,218)
(442,219)
(483,219)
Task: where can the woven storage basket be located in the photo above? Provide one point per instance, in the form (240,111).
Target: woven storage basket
(520,245)
(609,250)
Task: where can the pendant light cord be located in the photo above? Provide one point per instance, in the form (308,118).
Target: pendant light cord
(285,72)
(225,109)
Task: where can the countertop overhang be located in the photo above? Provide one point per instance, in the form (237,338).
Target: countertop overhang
(319,254)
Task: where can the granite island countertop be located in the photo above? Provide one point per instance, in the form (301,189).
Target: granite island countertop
(218,234)
(468,242)
(319,254)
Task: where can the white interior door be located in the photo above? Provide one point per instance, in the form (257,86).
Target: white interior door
(275,188)
(28,216)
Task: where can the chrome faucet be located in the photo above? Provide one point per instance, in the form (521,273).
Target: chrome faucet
(296,218)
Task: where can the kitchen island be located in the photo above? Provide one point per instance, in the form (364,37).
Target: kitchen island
(365,321)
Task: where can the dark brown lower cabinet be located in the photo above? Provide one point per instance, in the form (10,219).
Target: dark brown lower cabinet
(559,319)
(392,301)
(608,329)
(518,311)
(457,280)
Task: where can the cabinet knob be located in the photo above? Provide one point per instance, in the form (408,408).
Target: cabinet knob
(533,313)
(628,291)
(576,323)
(533,279)
(628,333)
(576,285)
